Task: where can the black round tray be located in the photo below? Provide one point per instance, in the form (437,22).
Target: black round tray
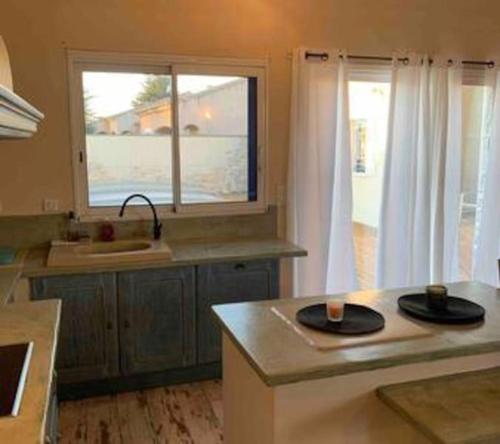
(458,310)
(358,319)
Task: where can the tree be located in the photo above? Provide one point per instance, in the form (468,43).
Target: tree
(90,117)
(89,112)
(154,88)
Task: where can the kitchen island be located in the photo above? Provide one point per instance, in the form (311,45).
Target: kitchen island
(279,388)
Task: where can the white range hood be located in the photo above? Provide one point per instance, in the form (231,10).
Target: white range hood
(18,119)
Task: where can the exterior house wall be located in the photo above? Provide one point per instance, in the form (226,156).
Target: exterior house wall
(123,123)
(216,111)
(156,117)
(220,111)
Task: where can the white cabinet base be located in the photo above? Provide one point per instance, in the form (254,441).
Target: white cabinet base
(342,409)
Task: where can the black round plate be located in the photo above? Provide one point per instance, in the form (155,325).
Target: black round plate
(458,310)
(358,319)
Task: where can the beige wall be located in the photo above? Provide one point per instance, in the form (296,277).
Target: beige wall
(37,32)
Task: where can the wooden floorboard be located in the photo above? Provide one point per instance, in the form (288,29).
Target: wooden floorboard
(365,246)
(186,413)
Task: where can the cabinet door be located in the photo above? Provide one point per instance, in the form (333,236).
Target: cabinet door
(88,342)
(52,421)
(157,319)
(225,283)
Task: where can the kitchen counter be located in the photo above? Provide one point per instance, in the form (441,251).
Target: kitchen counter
(280,388)
(10,275)
(183,253)
(8,281)
(280,357)
(458,409)
(37,322)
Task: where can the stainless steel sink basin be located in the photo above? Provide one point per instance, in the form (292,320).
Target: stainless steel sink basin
(107,253)
(112,247)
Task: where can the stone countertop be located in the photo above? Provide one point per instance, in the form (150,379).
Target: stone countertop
(37,322)
(10,275)
(459,409)
(183,253)
(280,356)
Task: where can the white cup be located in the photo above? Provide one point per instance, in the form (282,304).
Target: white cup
(335,309)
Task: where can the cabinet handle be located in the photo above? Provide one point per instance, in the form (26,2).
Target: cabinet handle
(126,323)
(239,267)
(109,325)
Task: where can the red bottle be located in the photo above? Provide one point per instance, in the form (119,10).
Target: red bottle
(107,232)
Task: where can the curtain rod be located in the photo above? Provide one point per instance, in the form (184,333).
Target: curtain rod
(325,56)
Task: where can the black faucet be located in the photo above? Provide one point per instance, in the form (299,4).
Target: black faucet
(157,225)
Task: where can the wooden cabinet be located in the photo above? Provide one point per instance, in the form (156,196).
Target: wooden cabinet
(128,329)
(157,319)
(88,339)
(226,283)
(52,422)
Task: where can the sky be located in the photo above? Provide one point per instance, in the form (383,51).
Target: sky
(113,93)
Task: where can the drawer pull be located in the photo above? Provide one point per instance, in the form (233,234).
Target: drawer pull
(239,267)
(109,325)
(126,323)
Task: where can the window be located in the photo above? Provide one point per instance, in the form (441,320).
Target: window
(358,144)
(127,138)
(369,109)
(216,151)
(188,134)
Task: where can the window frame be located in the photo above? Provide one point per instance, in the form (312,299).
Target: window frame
(375,71)
(80,61)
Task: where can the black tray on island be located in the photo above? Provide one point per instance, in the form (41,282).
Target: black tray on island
(457,311)
(358,319)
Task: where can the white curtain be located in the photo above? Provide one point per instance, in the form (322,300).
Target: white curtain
(418,227)
(319,182)
(446,151)
(487,240)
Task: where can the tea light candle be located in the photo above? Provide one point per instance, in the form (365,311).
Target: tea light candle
(440,290)
(335,309)
(437,296)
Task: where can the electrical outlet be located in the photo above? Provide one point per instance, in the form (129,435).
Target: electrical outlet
(50,205)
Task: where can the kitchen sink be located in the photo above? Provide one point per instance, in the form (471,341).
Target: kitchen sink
(70,254)
(117,247)
(15,361)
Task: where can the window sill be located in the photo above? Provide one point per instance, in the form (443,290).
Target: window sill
(137,213)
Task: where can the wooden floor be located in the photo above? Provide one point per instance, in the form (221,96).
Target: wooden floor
(187,413)
(365,243)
